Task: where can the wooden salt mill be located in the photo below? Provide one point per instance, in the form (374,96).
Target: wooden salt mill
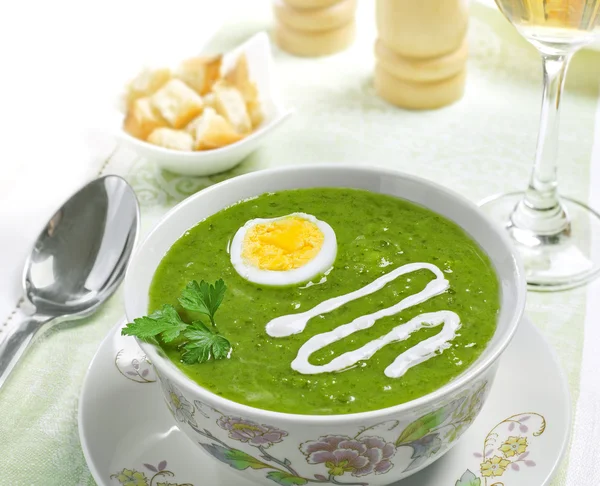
(314,27)
(421,52)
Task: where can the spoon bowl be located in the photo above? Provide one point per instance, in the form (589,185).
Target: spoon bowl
(77,262)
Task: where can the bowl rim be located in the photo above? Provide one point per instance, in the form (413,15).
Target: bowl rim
(470,375)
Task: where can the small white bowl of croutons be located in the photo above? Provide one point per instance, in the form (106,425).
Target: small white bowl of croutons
(205,115)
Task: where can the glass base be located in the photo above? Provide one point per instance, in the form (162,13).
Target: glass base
(567,260)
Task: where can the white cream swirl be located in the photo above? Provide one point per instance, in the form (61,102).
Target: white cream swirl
(295,323)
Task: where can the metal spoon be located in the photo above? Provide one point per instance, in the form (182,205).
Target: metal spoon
(77,262)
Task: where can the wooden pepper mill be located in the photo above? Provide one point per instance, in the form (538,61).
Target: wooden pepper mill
(421,52)
(314,27)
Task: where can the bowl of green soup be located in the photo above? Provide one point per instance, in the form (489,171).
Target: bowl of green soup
(325,324)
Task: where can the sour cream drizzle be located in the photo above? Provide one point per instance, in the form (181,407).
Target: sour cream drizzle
(295,323)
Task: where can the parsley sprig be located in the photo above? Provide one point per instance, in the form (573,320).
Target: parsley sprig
(201,343)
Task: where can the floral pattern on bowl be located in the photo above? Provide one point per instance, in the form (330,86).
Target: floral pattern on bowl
(251,432)
(357,456)
(180,407)
(132,477)
(333,458)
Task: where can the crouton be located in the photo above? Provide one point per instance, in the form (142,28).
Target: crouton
(200,73)
(177,103)
(147,83)
(172,139)
(211,130)
(142,119)
(230,104)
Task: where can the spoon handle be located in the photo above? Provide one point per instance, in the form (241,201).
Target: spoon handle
(16,341)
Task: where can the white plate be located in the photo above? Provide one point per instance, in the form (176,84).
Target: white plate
(206,162)
(595,46)
(127,432)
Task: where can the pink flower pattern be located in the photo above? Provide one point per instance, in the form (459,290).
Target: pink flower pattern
(342,454)
(251,432)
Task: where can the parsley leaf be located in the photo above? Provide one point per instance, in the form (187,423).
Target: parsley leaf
(165,323)
(170,314)
(195,354)
(203,297)
(203,344)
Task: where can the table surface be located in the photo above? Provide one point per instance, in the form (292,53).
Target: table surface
(69,58)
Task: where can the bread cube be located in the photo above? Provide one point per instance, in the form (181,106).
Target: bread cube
(239,77)
(230,104)
(142,118)
(177,103)
(147,83)
(210,101)
(255,112)
(172,139)
(210,130)
(200,73)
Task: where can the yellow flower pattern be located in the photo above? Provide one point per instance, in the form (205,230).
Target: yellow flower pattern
(513,450)
(131,477)
(494,466)
(514,446)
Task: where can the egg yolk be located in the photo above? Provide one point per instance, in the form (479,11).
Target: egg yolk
(285,244)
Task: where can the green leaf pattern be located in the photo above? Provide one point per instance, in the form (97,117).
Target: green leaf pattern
(468,479)
(285,479)
(234,457)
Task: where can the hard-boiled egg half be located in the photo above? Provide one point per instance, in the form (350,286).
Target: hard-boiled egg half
(282,251)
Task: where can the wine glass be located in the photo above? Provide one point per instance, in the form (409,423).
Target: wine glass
(555,235)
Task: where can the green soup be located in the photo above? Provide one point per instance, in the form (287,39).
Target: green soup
(375,234)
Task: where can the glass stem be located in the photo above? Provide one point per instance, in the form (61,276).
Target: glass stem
(540,211)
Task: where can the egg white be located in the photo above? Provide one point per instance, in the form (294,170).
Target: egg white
(277,278)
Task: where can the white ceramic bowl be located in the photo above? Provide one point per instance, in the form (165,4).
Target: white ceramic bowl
(206,162)
(370,448)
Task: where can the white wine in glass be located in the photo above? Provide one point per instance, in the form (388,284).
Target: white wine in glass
(569,22)
(558,238)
